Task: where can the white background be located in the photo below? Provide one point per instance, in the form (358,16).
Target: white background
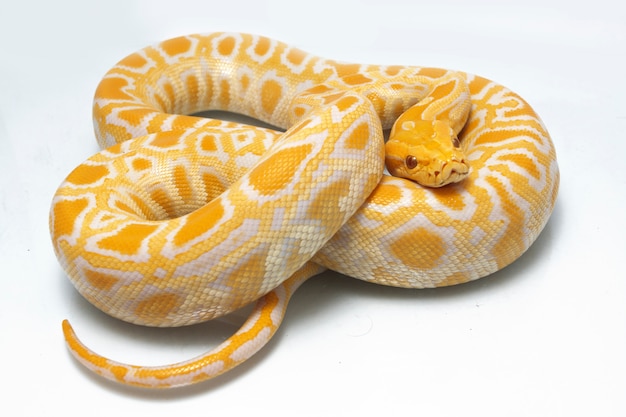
(544,337)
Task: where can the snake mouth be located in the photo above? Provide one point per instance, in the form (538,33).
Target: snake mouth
(450,173)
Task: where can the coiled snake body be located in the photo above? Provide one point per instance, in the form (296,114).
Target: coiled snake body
(182,219)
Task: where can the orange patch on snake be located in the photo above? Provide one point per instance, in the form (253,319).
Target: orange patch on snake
(199,222)
(176,46)
(128,240)
(419,248)
(67,209)
(271,93)
(100,280)
(281,168)
(88,174)
(226,46)
(158,305)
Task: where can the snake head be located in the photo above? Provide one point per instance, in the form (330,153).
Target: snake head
(427,152)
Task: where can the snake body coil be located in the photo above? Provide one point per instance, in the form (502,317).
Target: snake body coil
(182,219)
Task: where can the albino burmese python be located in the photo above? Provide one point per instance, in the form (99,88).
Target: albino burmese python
(183,219)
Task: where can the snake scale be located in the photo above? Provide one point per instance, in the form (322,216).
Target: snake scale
(182,219)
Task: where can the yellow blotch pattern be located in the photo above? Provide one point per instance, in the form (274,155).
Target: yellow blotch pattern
(358,137)
(100,280)
(271,93)
(183,186)
(450,197)
(419,248)
(87,174)
(225,93)
(158,306)
(212,185)
(328,201)
(192,89)
(280,169)
(123,207)
(506,250)
(134,117)
(345,103)
(346,69)
(199,222)
(357,79)
(140,164)
(176,46)
(67,209)
(262,46)
(134,61)
(443,90)
(164,140)
(128,240)
(226,46)
(252,266)
(162,198)
(112,88)
(145,208)
(208,143)
(525,162)
(295,56)
(433,72)
(388,194)
(394,70)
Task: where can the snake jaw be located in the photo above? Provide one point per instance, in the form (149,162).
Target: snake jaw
(453,172)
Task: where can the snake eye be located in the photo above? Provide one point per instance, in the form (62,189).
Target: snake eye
(456,142)
(411,161)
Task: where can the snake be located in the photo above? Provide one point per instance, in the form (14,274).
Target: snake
(405,176)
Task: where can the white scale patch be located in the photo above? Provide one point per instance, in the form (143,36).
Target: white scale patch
(476,235)
(248,348)
(160,273)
